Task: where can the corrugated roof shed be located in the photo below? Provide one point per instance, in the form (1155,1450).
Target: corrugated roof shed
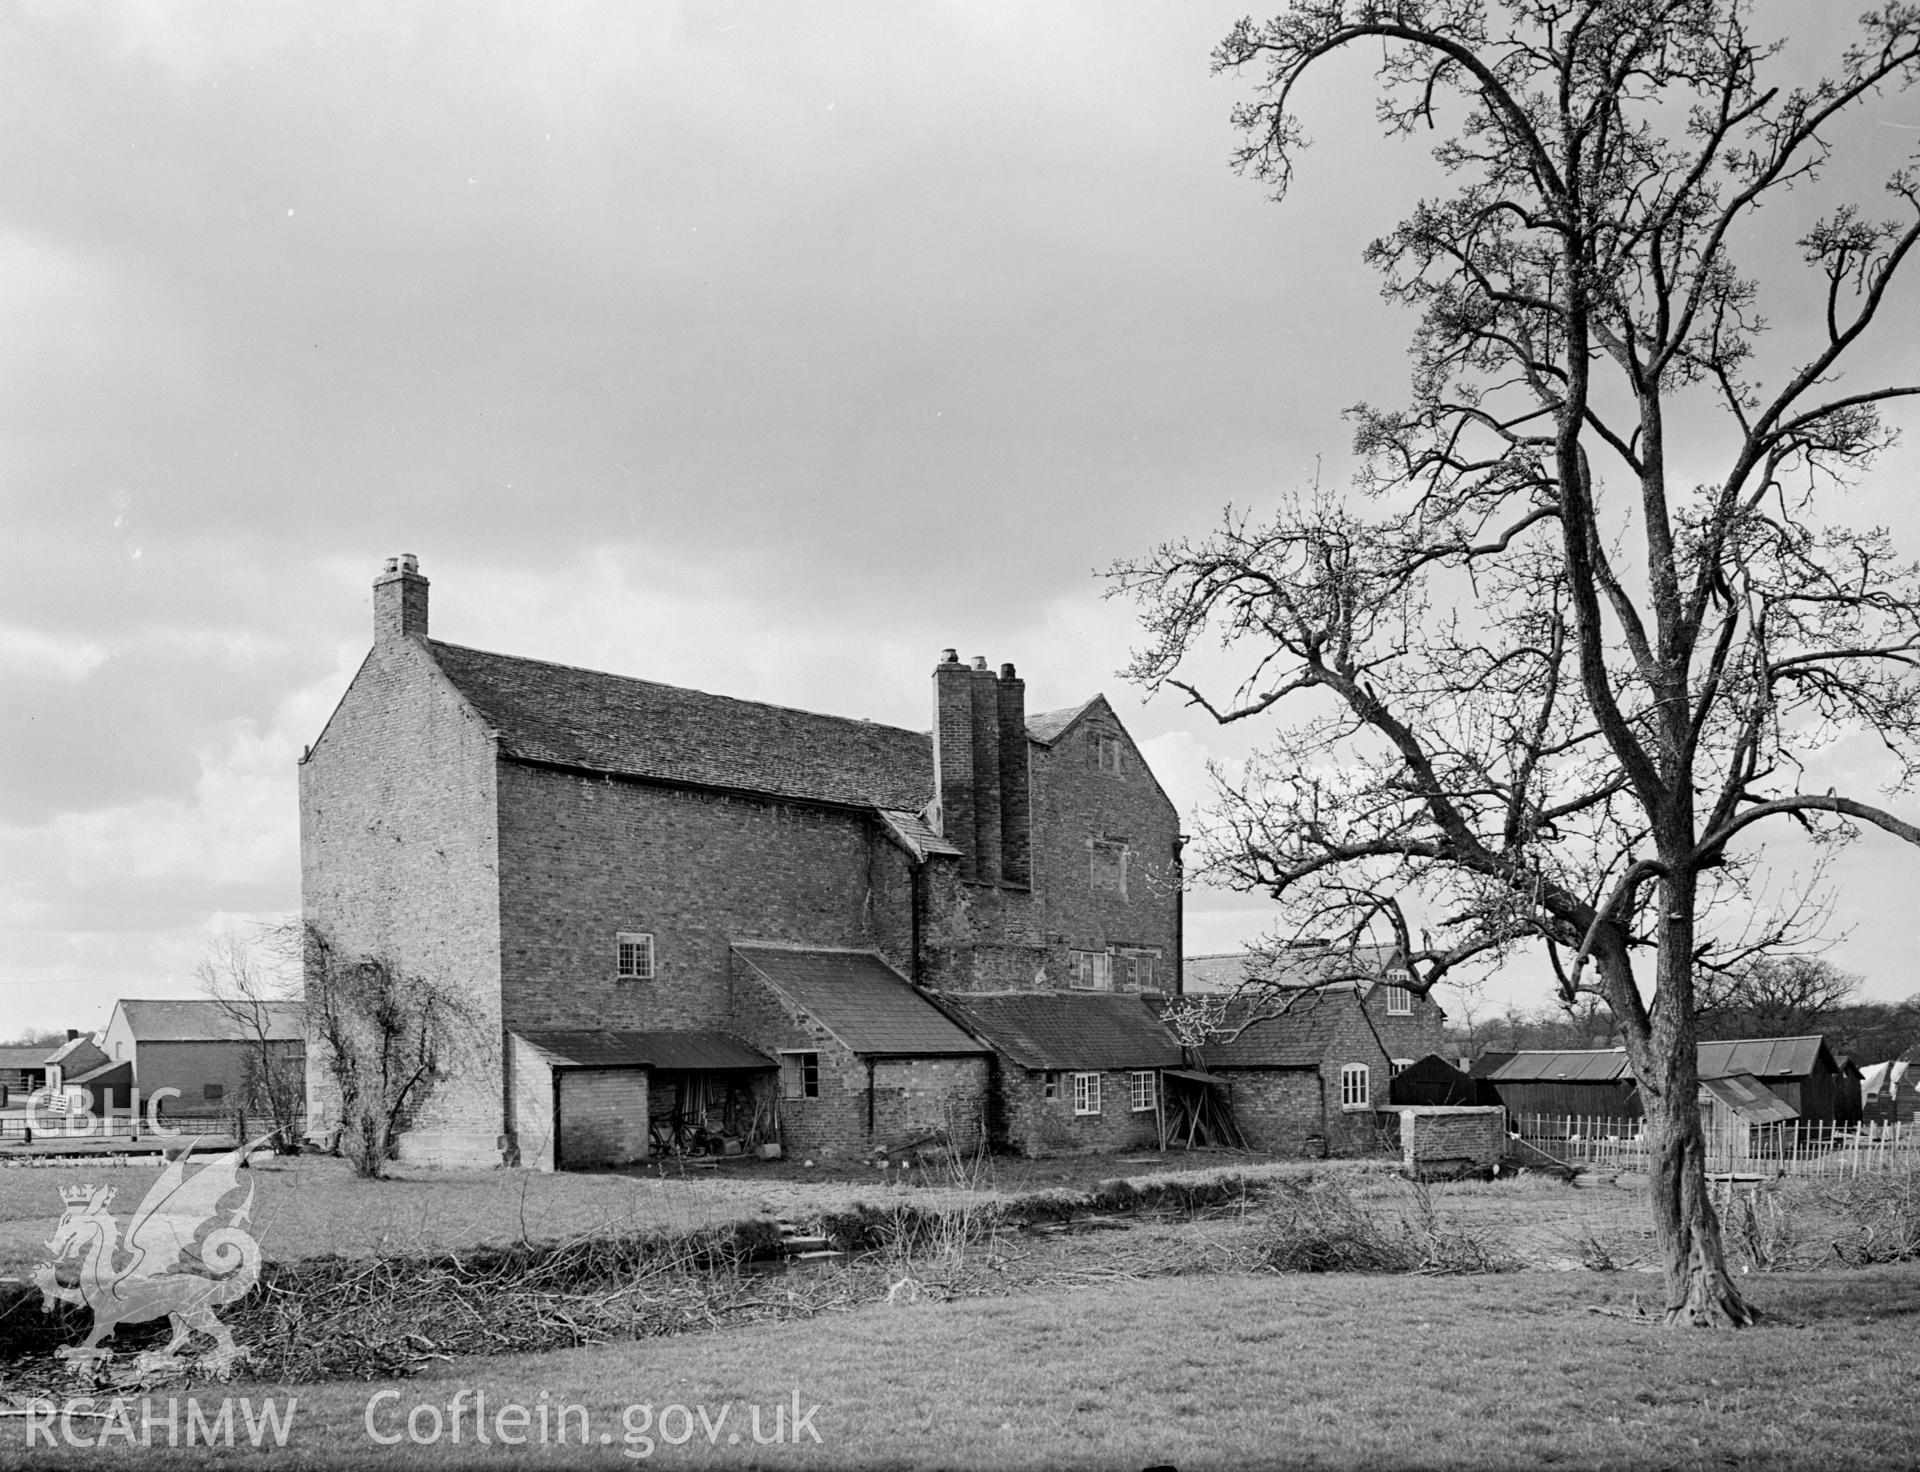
(860,999)
(1067,1030)
(1761,1057)
(694,1050)
(1750,1099)
(1585,1066)
(205,1020)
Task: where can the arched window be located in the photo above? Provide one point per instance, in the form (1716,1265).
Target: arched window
(1355,1086)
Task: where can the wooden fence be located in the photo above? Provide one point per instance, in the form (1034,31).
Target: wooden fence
(52,1124)
(1797,1147)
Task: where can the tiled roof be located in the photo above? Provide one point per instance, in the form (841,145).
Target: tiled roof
(205,1020)
(1762,1057)
(915,835)
(1062,1030)
(860,999)
(77,1056)
(1326,968)
(1046,728)
(1256,1033)
(696,1050)
(609,723)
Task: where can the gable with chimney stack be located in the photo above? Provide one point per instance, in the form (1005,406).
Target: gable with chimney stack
(594,854)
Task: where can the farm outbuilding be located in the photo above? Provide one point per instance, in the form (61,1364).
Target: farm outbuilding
(1757,1080)
(1434,1081)
(1592,1083)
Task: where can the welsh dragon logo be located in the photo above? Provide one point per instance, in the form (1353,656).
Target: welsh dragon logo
(186,1252)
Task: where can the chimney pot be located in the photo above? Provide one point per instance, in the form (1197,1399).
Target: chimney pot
(949,656)
(400,600)
(979,661)
(1006,672)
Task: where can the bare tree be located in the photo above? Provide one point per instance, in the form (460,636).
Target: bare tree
(1535,680)
(385,1037)
(256,1000)
(1773,996)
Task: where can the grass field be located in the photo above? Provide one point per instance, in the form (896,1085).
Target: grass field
(1231,1372)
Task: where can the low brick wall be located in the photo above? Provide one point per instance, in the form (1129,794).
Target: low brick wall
(1446,1142)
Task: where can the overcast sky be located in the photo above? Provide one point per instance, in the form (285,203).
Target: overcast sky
(763,347)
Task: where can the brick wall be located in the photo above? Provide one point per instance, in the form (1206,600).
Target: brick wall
(1413,1037)
(1279,1109)
(1027,1121)
(603,1116)
(583,858)
(1354,1131)
(1451,1140)
(398,859)
(530,1088)
(1076,802)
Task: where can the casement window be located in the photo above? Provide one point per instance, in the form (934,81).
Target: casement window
(800,1075)
(1140,1090)
(1049,1086)
(1356,1090)
(1086,1093)
(1399,1001)
(213,1093)
(1398,1066)
(1108,871)
(633,953)
(1090,971)
(1140,968)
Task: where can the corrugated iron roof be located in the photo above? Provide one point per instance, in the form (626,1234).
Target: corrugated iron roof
(1750,1099)
(1761,1057)
(694,1050)
(1583,1066)
(860,999)
(1067,1030)
(204,1020)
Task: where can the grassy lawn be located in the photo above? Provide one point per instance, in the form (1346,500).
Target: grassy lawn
(1216,1371)
(312,1205)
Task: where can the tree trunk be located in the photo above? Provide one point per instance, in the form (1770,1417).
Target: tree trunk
(1700,1293)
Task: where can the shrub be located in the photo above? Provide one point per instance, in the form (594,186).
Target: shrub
(1315,1226)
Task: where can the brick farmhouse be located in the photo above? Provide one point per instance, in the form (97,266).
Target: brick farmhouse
(684,917)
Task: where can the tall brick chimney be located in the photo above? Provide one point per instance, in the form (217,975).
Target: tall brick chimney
(400,600)
(986,773)
(1016,816)
(953,765)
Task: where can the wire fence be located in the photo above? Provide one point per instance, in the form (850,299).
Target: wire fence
(1795,1147)
(48,1125)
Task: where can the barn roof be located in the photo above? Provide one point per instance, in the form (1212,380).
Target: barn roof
(1762,1057)
(694,1050)
(14,1056)
(612,723)
(573,717)
(1256,1033)
(202,1020)
(1065,1030)
(859,998)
